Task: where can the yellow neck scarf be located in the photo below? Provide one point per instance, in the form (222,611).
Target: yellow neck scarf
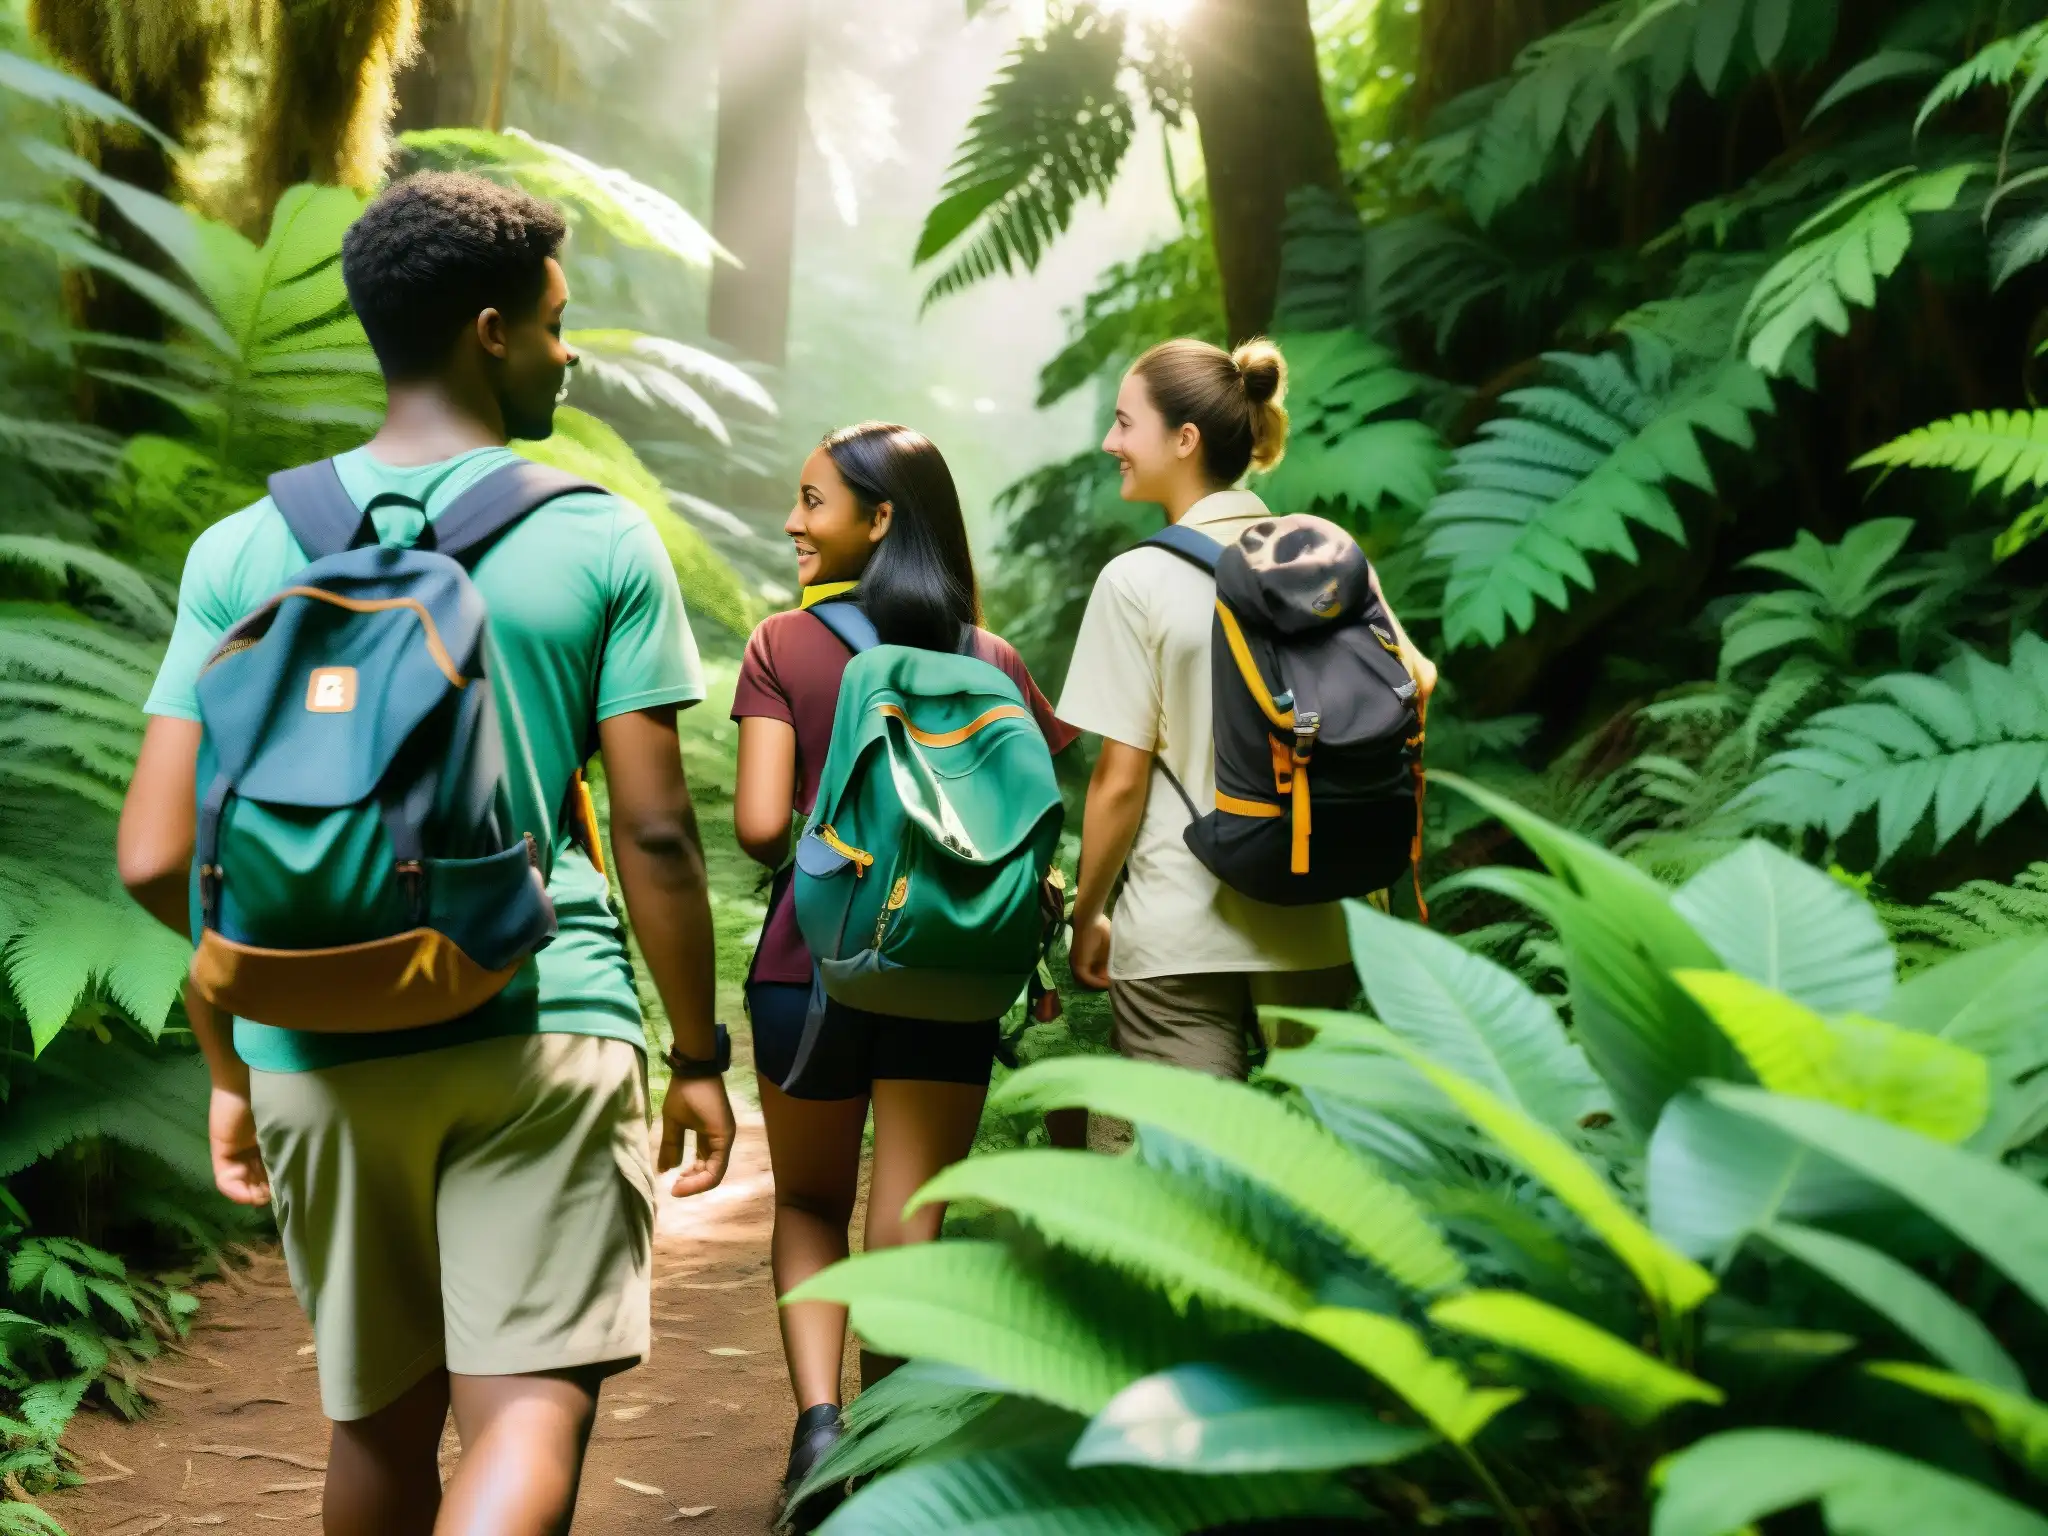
(827,590)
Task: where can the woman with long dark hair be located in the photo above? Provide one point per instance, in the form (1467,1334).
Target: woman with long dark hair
(877,518)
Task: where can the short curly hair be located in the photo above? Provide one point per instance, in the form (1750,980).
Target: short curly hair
(433,251)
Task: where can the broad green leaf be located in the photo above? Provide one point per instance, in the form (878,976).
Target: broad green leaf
(1674,1283)
(2000,1213)
(1026,1491)
(1637,1386)
(1263,1139)
(1165,1229)
(1910,1302)
(1645,1036)
(1214,1420)
(1473,1017)
(1395,1353)
(583,445)
(1781,922)
(1993,1001)
(56,88)
(2019,1423)
(1730,1481)
(1913,1080)
(973,1305)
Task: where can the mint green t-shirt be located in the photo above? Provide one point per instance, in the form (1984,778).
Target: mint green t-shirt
(586,622)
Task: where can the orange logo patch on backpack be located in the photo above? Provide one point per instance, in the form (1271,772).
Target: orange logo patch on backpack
(331,690)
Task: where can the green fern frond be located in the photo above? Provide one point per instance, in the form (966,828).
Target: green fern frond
(624,207)
(2019,56)
(2005,449)
(1351,444)
(1170,290)
(1968,744)
(1975,915)
(1564,477)
(152,1101)
(133,597)
(1838,258)
(1053,129)
(1430,267)
(58,446)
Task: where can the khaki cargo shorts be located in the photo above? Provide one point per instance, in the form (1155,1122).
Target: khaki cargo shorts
(488,1208)
(1206,1022)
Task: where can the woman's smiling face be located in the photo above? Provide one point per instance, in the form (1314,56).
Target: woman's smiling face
(833,536)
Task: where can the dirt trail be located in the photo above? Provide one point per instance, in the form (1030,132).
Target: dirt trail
(692,1441)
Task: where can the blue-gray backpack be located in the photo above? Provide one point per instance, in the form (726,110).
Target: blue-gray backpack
(1317,724)
(357,867)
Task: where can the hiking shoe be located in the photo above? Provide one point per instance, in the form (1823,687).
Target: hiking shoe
(818,1429)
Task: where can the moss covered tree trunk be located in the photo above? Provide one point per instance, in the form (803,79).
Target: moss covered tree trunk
(762,59)
(1258,100)
(438,89)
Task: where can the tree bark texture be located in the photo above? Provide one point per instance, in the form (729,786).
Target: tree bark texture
(1466,43)
(762,56)
(1265,132)
(438,89)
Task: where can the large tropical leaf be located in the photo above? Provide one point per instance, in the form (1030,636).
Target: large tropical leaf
(1838,258)
(1216,1420)
(1644,1034)
(1470,1015)
(1993,1001)
(1968,744)
(976,1306)
(1026,1491)
(1726,1483)
(1164,1228)
(1262,1139)
(1053,129)
(624,207)
(1915,1080)
(1783,923)
(583,445)
(1674,1284)
(2000,1213)
(1910,1302)
(1435,1388)
(1713,1177)
(1583,456)
(1639,1387)
(2018,1422)
(56,88)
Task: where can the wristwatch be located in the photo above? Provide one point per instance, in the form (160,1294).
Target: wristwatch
(680,1065)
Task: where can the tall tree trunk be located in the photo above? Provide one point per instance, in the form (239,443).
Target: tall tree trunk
(1466,43)
(1258,100)
(438,89)
(761,65)
(159,59)
(327,102)
(503,31)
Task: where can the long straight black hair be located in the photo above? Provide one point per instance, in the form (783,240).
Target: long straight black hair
(918,588)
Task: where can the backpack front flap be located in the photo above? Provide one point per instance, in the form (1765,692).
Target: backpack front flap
(917,879)
(356,865)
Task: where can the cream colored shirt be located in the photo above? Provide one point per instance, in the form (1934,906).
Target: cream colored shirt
(1140,675)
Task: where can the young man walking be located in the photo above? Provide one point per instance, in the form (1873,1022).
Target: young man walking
(467,1208)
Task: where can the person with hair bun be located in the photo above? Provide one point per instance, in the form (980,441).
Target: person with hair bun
(1190,959)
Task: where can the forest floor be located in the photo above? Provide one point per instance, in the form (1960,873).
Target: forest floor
(694,1440)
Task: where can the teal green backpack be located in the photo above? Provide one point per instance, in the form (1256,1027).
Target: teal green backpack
(917,880)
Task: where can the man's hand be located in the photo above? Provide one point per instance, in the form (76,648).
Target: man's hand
(1089,957)
(696,1104)
(238,1170)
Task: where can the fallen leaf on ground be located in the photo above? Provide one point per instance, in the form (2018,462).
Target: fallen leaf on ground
(309,1349)
(727,1351)
(632,1487)
(309,1487)
(638,1410)
(694,1512)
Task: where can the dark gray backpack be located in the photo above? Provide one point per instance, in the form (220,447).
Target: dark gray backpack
(1318,731)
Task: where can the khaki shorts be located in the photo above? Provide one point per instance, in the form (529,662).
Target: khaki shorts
(488,1208)
(1207,1022)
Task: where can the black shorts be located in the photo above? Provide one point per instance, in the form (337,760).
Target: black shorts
(857,1049)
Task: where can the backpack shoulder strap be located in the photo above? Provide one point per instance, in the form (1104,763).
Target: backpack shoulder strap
(491,508)
(855,630)
(1198,549)
(318,509)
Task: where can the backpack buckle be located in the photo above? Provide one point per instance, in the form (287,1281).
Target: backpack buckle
(1308,724)
(412,876)
(209,894)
